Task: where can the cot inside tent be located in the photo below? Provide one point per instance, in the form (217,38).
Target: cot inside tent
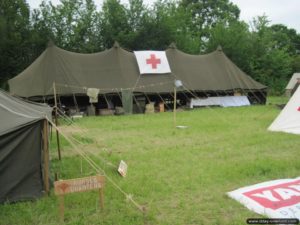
(289,118)
(21,148)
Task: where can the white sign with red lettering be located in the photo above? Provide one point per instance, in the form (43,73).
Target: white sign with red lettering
(274,199)
(152,62)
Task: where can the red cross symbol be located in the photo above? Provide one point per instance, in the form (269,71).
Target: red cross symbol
(63,187)
(153,61)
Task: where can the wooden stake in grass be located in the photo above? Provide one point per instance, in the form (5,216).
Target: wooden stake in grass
(62,208)
(174,108)
(56,122)
(177,84)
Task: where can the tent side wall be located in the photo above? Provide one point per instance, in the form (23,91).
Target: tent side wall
(21,164)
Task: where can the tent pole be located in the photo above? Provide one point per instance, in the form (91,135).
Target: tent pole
(46,157)
(56,122)
(174,109)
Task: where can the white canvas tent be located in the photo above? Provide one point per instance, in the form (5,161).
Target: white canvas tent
(292,83)
(289,118)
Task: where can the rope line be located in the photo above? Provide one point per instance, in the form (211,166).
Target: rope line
(71,123)
(97,168)
(117,89)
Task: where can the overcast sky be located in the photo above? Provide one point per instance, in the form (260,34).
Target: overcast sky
(278,11)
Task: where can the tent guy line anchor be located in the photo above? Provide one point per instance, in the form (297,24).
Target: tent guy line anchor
(98,169)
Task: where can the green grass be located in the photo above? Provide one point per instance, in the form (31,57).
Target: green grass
(181,176)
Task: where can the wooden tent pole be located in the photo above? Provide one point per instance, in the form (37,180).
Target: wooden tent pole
(174,109)
(46,157)
(56,122)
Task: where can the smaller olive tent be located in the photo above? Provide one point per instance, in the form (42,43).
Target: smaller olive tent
(22,174)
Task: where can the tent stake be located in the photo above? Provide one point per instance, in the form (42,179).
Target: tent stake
(56,122)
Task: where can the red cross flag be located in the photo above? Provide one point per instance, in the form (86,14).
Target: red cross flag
(152,62)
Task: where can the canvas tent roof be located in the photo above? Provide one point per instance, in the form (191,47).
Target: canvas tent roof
(116,69)
(16,113)
(213,71)
(293,81)
(20,148)
(289,118)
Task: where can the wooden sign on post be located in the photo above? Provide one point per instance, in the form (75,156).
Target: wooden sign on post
(63,187)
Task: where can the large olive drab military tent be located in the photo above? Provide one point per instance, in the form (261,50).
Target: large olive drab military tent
(21,155)
(116,69)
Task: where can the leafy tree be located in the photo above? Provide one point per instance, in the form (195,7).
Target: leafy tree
(296,63)
(155,32)
(235,40)
(269,53)
(136,27)
(286,38)
(136,13)
(138,17)
(153,35)
(88,29)
(176,19)
(266,52)
(73,25)
(271,64)
(14,38)
(206,14)
(114,23)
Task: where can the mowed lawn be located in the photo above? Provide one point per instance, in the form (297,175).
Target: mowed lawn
(180,176)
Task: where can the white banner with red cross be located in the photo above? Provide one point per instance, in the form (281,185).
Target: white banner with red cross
(274,199)
(152,62)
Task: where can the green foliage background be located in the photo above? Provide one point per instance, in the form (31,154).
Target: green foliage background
(268,53)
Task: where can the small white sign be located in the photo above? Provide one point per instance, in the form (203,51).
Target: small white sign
(122,168)
(181,127)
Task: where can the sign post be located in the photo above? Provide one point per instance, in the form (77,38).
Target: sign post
(63,187)
(177,84)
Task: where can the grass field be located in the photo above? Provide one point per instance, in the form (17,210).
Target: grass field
(180,176)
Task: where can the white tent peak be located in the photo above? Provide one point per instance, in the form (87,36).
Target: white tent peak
(289,118)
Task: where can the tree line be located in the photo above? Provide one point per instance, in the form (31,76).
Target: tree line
(269,53)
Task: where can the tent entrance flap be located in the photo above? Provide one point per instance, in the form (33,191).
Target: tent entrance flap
(127,101)
(20,179)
